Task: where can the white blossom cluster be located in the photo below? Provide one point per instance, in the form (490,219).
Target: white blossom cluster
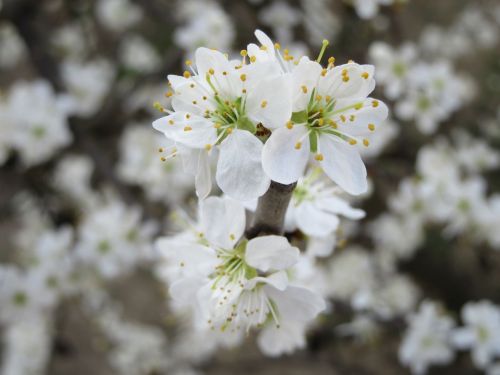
(433,337)
(453,195)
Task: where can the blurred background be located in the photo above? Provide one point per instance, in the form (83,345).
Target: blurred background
(84,193)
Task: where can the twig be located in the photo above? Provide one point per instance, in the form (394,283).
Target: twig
(271,209)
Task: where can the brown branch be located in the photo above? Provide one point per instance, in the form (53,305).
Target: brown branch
(271,209)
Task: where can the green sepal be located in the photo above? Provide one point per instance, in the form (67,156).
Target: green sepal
(299,117)
(244,123)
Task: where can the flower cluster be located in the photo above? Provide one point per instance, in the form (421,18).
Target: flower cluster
(294,105)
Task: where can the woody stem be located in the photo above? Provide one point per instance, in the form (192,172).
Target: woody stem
(271,209)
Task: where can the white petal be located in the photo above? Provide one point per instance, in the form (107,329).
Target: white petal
(357,120)
(203,178)
(270,102)
(191,259)
(333,83)
(239,170)
(187,129)
(281,160)
(207,59)
(185,290)
(314,221)
(265,41)
(285,339)
(343,165)
(222,79)
(271,253)
(278,280)
(304,80)
(222,220)
(463,338)
(321,246)
(341,207)
(296,303)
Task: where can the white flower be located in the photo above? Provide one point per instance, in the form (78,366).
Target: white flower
(38,120)
(281,17)
(140,164)
(331,113)
(213,29)
(118,15)
(236,284)
(481,333)
(426,341)
(11,45)
(320,21)
(369,8)
(350,272)
(72,177)
(225,104)
(435,91)
(475,155)
(87,83)
(70,41)
(315,207)
(112,239)
(137,54)
(27,346)
(381,139)
(392,66)
(23,295)
(5,133)
(398,236)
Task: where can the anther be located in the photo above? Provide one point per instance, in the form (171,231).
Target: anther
(319,157)
(263,104)
(186,74)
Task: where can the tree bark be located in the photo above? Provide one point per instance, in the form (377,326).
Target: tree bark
(271,209)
